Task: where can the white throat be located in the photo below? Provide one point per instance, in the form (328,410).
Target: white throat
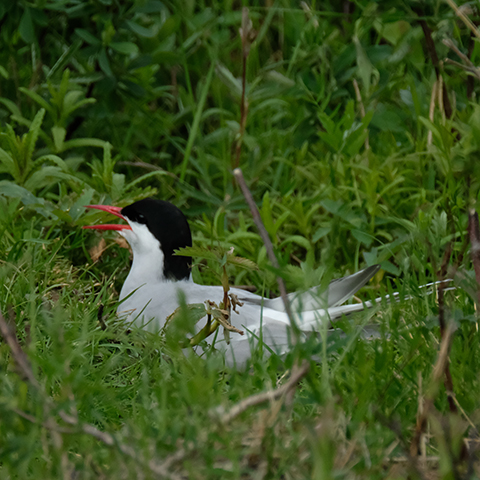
(148,259)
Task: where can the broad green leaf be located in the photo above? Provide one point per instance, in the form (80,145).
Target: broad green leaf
(83,142)
(9,189)
(233,84)
(40,100)
(241,262)
(363,237)
(104,63)
(11,106)
(127,48)
(7,163)
(58,134)
(88,37)
(239,235)
(320,233)
(141,31)
(199,252)
(52,158)
(26,27)
(46,176)
(301,241)
(170,25)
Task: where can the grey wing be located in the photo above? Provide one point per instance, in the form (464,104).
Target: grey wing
(338,292)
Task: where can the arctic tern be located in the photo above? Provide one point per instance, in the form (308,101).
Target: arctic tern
(155,229)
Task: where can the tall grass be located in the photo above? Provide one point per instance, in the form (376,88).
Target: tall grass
(359,144)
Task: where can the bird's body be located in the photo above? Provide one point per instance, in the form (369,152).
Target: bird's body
(158,280)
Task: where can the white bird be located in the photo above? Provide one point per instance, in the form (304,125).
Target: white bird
(151,292)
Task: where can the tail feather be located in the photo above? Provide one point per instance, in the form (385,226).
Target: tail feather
(337,292)
(312,320)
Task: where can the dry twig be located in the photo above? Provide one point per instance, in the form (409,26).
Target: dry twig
(438,372)
(362,108)
(247,34)
(460,14)
(257,399)
(267,242)
(432,52)
(474,234)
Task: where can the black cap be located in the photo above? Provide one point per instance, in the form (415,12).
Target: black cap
(170,227)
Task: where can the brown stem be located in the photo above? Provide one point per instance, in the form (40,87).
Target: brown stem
(245,34)
(438,371)
(268,244)
(257,399)
(430,44)
(474,234)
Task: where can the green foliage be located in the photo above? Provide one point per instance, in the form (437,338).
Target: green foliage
(110,102)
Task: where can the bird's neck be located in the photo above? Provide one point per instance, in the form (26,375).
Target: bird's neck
(146,269)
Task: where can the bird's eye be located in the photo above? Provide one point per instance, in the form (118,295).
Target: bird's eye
(141,218)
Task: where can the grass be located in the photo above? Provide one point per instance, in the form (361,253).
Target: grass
(351,160)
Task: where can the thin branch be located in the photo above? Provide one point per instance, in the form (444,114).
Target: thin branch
(430,44)
(267,242)
(438,372)
(18,354)
(47,425)
(431,111)
(474,234)
(468,23)
(257,399)
(448,43)
(362,108)
(246,34)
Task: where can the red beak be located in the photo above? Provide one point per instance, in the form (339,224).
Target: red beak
(114,211)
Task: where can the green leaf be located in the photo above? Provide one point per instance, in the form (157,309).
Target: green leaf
(390,267)
(200,252)
(47,176)
(83,142)
(363,237)
(140,62)
(159,173)
(88,37)
(233,84)
(64,58)
(78,208)
(299,240)
(196,121)
(139,30)
(37,98)
(241,262)
(170,25)
(26,27)
(104,63)
(58,134)
(52,158)
(32,136)
(7,163)
(320,233)
(9,189)
(127,48)
(11,106)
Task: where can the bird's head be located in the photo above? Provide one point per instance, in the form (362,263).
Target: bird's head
(152,225)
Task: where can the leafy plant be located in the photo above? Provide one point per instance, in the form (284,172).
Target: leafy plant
(17,159)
